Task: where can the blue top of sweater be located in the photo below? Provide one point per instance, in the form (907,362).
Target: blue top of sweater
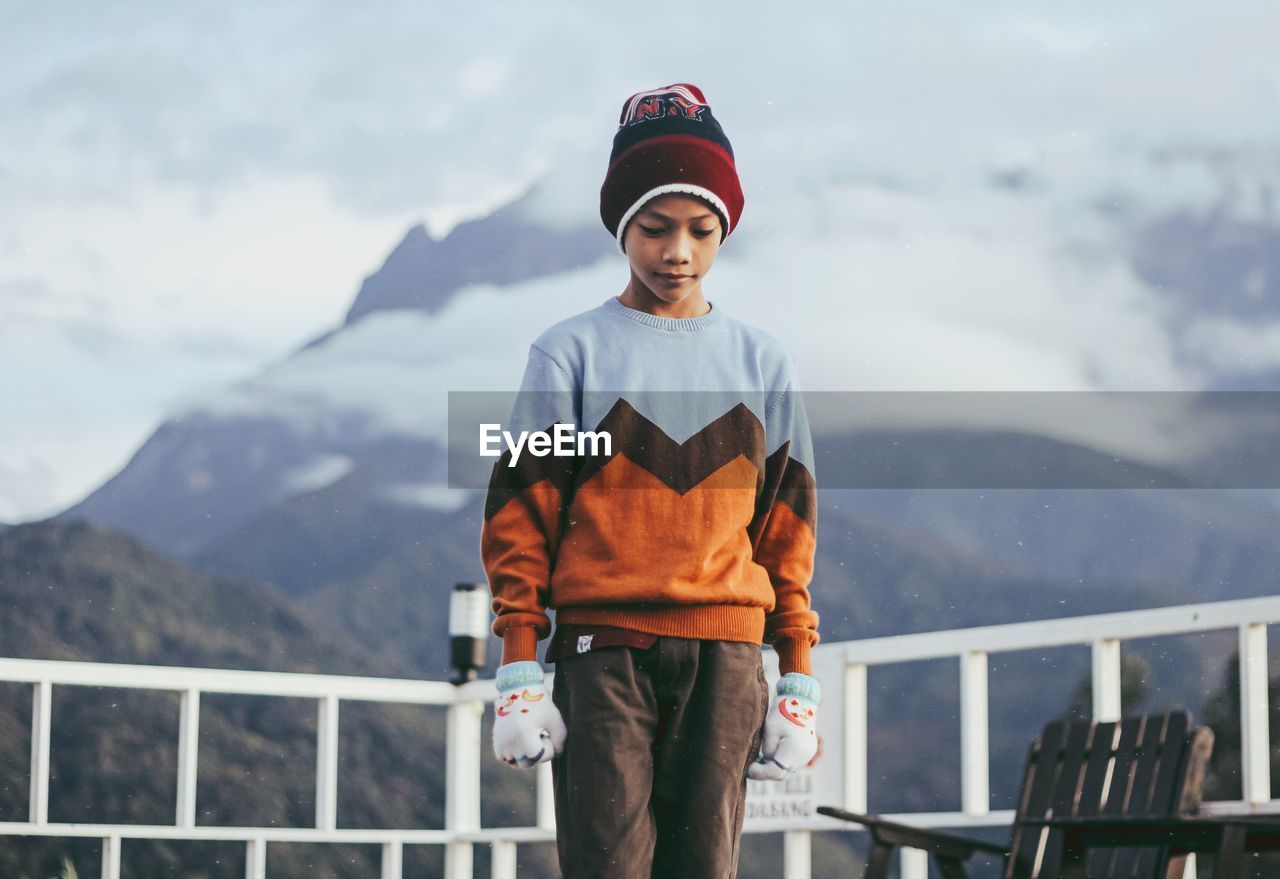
(680,373)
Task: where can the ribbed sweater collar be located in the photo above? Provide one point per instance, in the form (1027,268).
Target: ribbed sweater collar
(670,324)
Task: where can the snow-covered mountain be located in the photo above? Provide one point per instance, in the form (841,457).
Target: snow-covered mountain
(507,247)
(362,403)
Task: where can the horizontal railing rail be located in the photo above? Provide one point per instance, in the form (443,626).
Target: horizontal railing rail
(970,648)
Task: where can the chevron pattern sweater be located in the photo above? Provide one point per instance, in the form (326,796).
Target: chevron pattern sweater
(699,522)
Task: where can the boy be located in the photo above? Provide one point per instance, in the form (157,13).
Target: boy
(669,557)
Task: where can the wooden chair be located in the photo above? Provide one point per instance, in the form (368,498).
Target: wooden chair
(1228,838)
(1141,766)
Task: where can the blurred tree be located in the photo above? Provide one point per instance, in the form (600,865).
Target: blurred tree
(1135,673)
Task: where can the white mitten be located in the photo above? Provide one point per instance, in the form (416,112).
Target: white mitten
(527,726)
(789,741)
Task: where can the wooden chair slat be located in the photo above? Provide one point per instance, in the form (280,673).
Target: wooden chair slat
(1197,764)
(1166,787)
(1074,755)
(1101,750)
(1111,797)
(1165,792)
(1024,794)
(1036,802)
(1135,795)
(1066,791)
(1117,788)
(1106,738)
(1146,765)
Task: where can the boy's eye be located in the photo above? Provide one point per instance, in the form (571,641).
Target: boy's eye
(655,232)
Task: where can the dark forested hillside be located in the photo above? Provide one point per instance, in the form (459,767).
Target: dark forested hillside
(73,591)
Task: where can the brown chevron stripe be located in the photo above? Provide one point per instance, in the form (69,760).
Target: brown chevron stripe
(789,481)
(680,466)
(506,482)
(798,492)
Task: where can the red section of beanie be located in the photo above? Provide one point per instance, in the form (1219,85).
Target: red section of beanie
(670,159)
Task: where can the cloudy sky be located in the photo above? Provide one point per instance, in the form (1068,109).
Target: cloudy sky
(191,192)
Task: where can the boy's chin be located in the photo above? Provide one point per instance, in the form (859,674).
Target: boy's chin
(673,296)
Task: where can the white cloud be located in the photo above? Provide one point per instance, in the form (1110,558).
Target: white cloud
(193,192)
(320,472)
(1236,346)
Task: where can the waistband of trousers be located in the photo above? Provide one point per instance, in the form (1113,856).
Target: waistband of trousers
(715,622)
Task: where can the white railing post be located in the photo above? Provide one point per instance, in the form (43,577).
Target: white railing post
(188,749)
(975,778)
(1106,680)
(462,785)
(546,803)
(327,763)
(111,857)
(855,737)
(41,716)
(502,864)
(255,859)
(797,855)
(914,863)
(1255,769)
(392,859)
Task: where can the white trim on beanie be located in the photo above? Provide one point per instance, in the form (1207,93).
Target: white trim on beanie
(691,189)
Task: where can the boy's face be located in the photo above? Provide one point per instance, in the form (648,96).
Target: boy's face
(671,243)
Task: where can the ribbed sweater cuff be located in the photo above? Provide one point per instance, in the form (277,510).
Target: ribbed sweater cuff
(514,675)
(793,655)
(519,644)
(801,686)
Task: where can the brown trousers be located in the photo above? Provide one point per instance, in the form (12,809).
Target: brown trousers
(652,780)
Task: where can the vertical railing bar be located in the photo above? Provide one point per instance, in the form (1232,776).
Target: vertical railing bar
(855,737)
(975,754)
(797,855)
(913,863)
(111,857)
(1255,766)
(327,763)
(41,730)
(462,785)
(255,858)
(544,784)
(1106,680)
(393,859)
(188,753)
(502,863)
(546,802)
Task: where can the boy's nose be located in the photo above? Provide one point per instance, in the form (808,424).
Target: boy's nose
(678,251)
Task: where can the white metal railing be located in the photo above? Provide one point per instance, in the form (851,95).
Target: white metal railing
(1103,632)
(465,704)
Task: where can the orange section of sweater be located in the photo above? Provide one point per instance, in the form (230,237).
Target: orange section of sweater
(637,554)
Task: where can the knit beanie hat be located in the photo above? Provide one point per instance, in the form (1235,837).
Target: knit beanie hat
(667,142)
